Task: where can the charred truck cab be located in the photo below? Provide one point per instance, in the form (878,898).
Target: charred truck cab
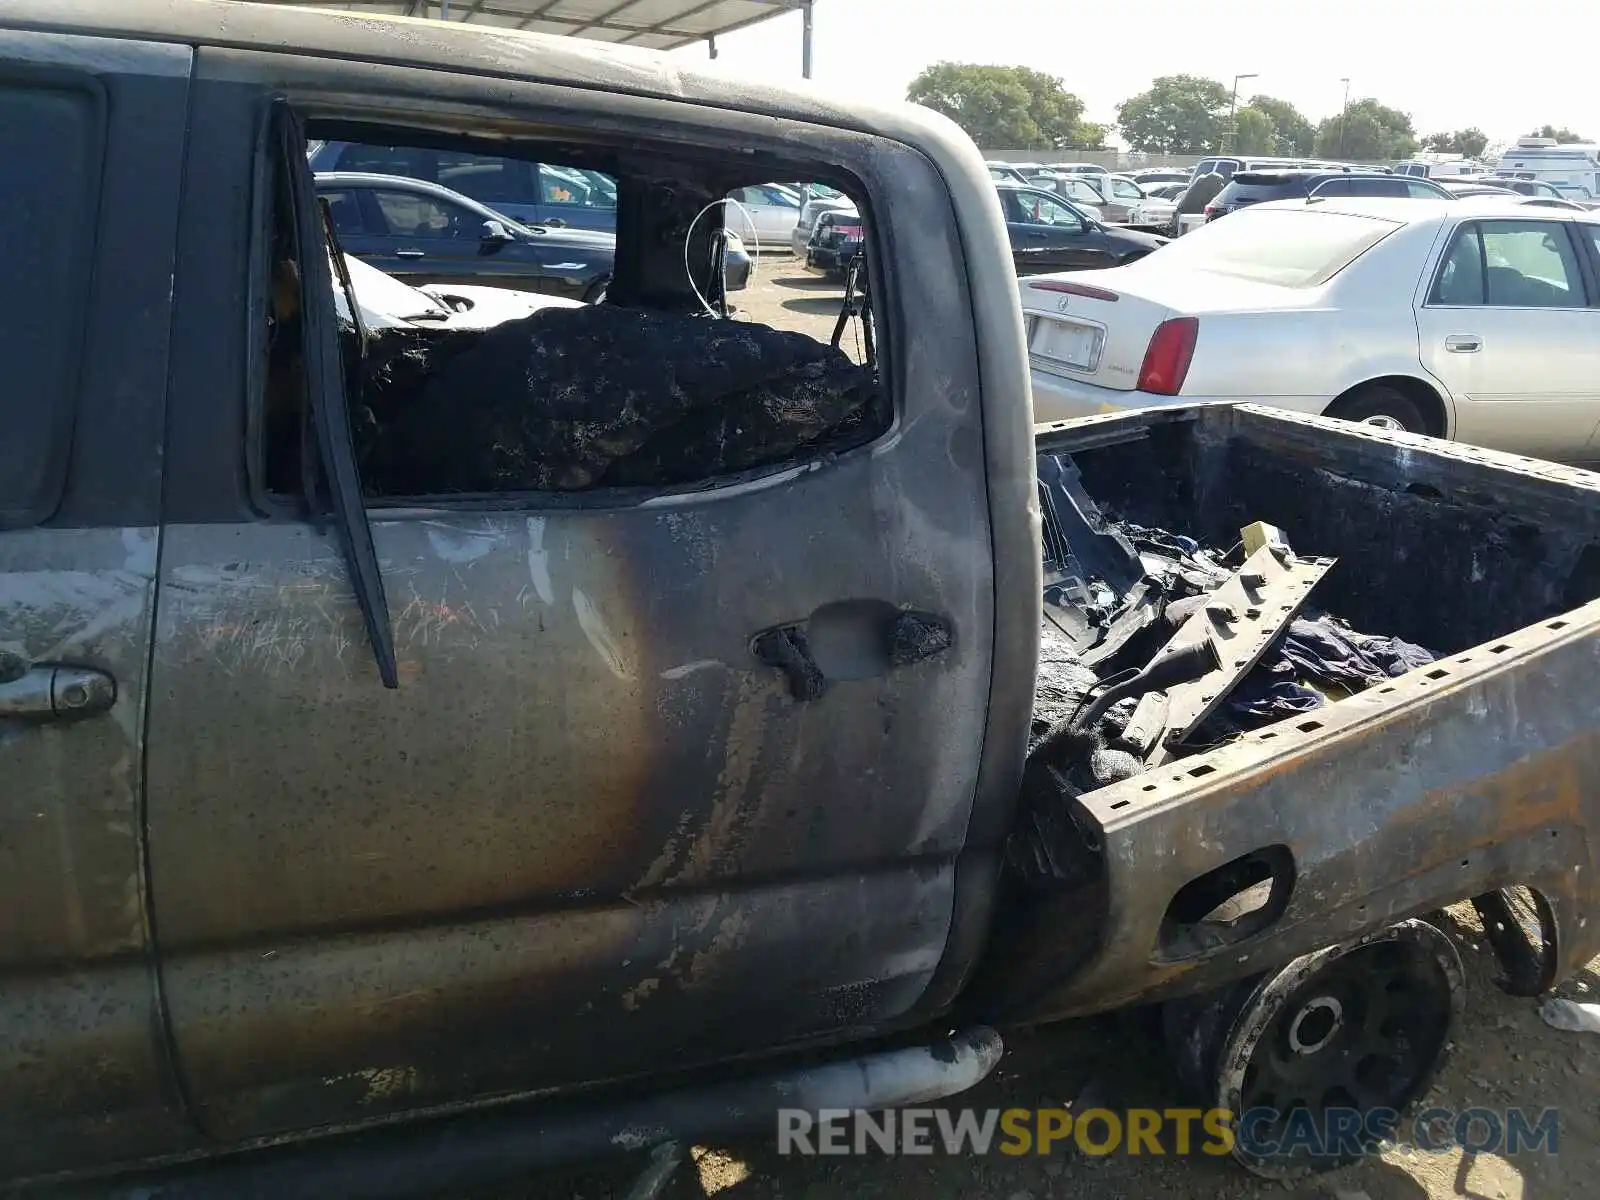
(607,726)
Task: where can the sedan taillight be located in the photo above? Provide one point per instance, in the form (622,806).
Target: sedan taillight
(1167,358)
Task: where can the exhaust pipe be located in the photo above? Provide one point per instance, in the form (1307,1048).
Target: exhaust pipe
(438,1156)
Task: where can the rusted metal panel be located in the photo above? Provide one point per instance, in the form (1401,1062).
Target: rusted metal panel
(1467,776)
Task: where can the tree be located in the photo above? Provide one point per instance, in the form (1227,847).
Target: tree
(1010,108)
(1294,134)
(1469,143)
(1367,132)
(1254,133)
(1180,114)
(1562,134)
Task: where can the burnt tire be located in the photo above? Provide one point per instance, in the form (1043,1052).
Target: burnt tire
(1382,406)
(1358,1029)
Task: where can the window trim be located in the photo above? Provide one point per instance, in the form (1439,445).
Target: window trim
(275,506)
(1587,278)
(46,499)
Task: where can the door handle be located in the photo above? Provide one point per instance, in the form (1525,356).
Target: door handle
(849,640)
(1463,343)
(53,691)
(410,254)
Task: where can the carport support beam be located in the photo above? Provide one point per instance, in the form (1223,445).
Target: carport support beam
(805,40)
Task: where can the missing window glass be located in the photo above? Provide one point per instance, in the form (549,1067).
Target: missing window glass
(535,327)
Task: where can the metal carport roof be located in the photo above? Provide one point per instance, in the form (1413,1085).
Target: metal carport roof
(653,24)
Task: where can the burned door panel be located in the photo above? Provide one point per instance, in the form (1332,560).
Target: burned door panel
(589,806)
(91,136)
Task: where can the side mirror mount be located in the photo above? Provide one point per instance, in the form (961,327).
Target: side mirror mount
(496,237)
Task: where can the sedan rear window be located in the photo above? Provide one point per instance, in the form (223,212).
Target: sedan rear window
(1288,247)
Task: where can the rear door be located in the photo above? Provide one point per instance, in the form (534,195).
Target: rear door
(591,834)
(1508,323)
(91,142)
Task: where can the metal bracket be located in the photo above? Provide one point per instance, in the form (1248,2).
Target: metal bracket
(1242,618)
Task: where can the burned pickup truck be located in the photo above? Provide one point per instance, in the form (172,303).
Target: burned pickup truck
(430,749)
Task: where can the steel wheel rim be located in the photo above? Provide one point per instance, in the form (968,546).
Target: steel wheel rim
(1362,1026)
(1385,422)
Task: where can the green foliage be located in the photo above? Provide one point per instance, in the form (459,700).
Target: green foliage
(1294,136)
(1180,114)
(1563,134)
(1469,143)
(1254,133)
(1367,132)
(1011,107)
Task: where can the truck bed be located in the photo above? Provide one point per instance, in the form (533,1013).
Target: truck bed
(1468,777)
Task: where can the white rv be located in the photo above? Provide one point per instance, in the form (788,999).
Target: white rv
(1572,167)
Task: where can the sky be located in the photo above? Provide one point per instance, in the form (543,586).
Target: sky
(1403,53)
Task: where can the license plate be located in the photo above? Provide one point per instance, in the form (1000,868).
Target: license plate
(1066,342)
(851,232)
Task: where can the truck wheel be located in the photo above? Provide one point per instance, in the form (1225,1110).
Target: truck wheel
(1382,406)
(1318,1060)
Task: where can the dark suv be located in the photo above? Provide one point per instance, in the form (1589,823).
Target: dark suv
(1257,187)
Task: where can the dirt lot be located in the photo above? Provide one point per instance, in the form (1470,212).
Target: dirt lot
(1504,1056)
(783,294)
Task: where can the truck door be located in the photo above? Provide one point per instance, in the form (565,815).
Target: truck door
(668,775)
(91,138)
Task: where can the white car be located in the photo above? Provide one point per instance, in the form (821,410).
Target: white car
(386,303)
(1479,322)
(770,212)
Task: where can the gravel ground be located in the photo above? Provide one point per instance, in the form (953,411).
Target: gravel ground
(1503,1056)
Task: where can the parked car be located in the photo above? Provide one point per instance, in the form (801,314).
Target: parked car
(1153,177)
(1572,167)
(1474,321)
(1005,173)
(1259,187)
(1440,168)
(1462,191)
(839,237)
(386,303)
(1078,168)
(1166,191)
(773,210)
(1118,196)
(424,233)
(1050,234)
(528,192)
(1528,187)
(806,223)
(1076,190)
(363,837)
(1227,166)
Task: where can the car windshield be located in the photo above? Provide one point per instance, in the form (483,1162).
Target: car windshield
(1287,247)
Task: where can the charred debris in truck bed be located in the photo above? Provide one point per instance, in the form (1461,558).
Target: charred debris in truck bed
(1153,646)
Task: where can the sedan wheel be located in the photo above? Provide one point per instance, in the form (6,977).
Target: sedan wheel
(1382,407)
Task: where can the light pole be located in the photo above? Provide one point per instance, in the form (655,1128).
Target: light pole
(1233,111)
(1344,114)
